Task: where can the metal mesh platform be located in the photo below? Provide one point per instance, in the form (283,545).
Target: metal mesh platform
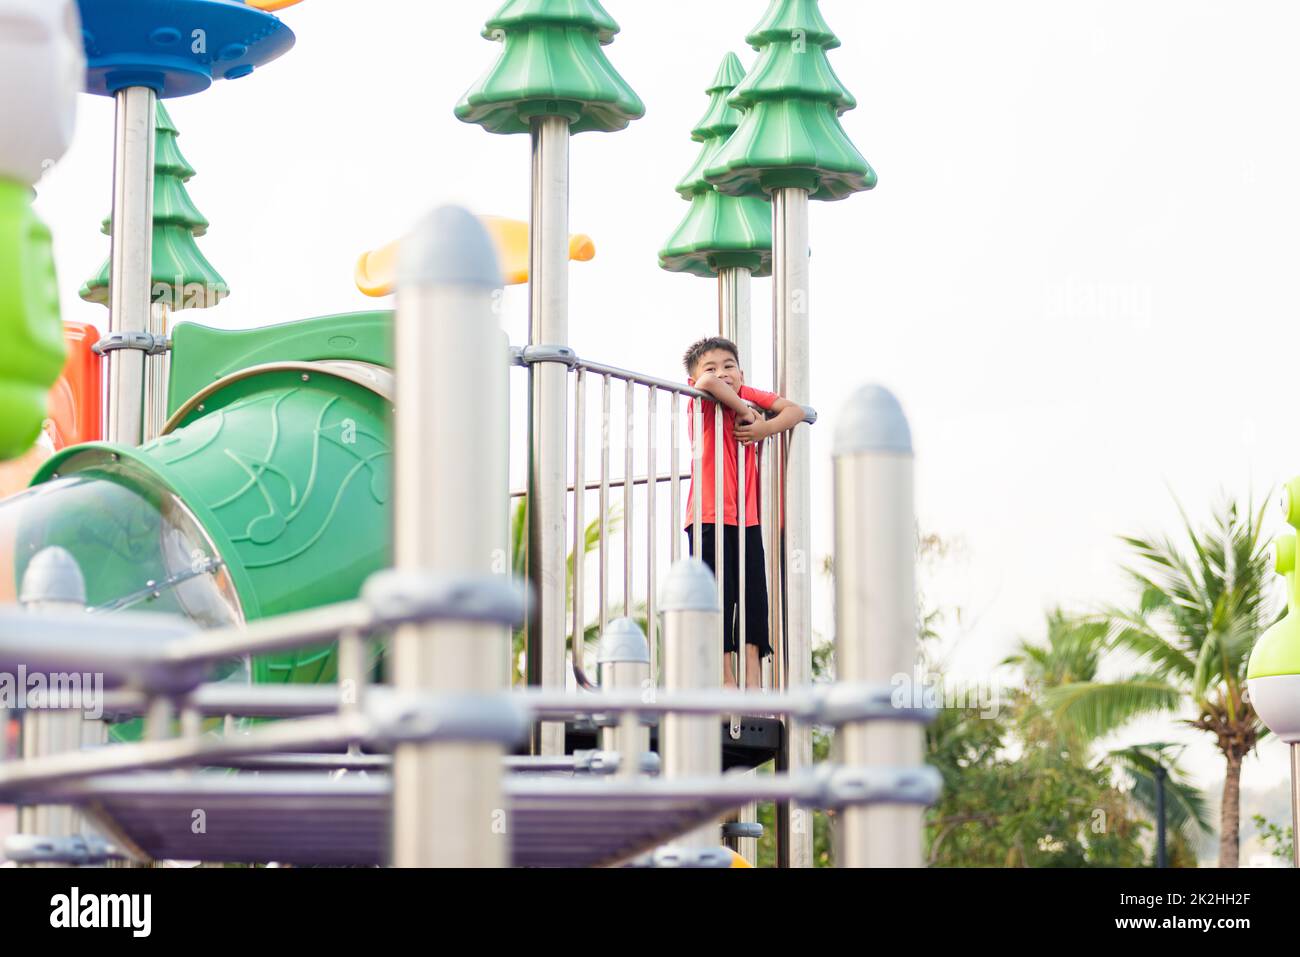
(314,819)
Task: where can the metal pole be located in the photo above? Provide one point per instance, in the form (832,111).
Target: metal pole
(130,292)
(624,663)
(674,482)
(604,503)
(734,311)
(691,746)
(875,612)
(579,531)
(629,406)
(719,514)
(1162,854)
(652,556)
(1295,804)
(448,489)
(790,288)
(156,374)
(52,582)
(548,307)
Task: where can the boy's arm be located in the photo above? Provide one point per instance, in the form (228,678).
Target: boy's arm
(788,415)
(723,393)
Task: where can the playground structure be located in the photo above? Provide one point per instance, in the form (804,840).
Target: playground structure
(274,527)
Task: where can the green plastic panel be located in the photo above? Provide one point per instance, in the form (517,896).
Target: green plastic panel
(201,354)
(291,479)
(790,143)
(551,64)
(790,134)
(793,18)
(1277,652)
(180,273)
(718,230)
(33,353)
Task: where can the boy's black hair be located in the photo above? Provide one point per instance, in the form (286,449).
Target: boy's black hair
(708,344)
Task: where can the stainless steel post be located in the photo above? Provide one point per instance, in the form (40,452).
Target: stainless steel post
(652,552)
(790,291)
(734,311)
(629,526)
(157,370)
(624,663)
(674,482)
(52,582)
(548,306)
(1295,803)
(691,746)
(130,292)
(719,538)
(579,529)
(604,503)
(875,605)
(447,803)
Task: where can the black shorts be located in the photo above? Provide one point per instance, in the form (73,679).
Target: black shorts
(756,631)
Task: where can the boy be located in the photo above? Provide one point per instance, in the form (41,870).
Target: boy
(713,366)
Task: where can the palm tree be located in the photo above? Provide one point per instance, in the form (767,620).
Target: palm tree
(1071,656)
(1199,613)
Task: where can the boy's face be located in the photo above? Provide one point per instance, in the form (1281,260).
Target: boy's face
(723,365)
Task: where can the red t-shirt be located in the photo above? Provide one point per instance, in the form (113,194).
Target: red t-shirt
(730,448)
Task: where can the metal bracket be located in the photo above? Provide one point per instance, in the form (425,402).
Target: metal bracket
(844,703)
(542,353)
(608,762)
(742,829)
(146,342)
(77,849)
(404,718)
(673,856)
(839,787)
(401,595)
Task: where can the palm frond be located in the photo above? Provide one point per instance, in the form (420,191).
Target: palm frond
(1094,709)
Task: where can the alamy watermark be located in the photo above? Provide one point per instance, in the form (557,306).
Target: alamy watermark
(922,690)
(53,690)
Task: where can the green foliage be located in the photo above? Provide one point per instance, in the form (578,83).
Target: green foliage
(591,541)
(1200,606)
(1278,840)
(1022,789)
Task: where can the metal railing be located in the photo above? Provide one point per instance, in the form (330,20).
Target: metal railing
(638,433)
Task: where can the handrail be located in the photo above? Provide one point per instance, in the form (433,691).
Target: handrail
(529,355)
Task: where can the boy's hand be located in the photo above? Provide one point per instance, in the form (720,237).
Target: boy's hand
(753,430)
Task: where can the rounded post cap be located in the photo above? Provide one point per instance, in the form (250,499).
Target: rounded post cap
(689,586)
(53,575)
(449,246)
(623,640)
(872,421)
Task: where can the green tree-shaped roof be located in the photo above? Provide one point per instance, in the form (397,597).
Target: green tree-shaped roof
(180,274)
(790,134)
(718,230)
(551,64)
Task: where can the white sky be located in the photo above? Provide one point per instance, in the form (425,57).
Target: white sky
(1076,271)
